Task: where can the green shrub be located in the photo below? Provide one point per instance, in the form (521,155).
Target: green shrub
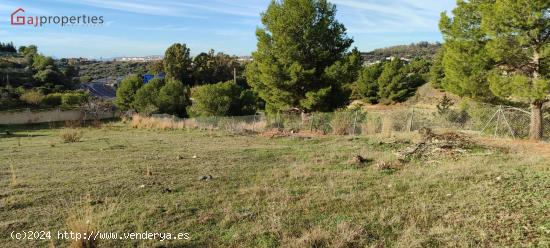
(52,100)
(127,90)
(74,98)
(146,98)
(32,97)
(222,99)
(174,98)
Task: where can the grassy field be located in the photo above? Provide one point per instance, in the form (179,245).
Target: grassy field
(266,192)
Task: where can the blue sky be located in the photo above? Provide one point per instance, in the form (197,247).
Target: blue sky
(140,27)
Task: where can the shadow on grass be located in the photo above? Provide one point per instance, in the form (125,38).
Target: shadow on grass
(14,129)
(18,135)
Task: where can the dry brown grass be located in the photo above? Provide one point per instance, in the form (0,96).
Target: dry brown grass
(13,181)
(96,123)
(389,165)
(82,220)
(73,124)
(71,135)
(152,123)
(142,122)
(516,145)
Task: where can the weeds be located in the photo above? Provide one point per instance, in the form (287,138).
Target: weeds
(71,135)
(83,221)
(13,176)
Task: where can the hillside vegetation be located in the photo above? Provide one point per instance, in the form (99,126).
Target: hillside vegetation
(413,51)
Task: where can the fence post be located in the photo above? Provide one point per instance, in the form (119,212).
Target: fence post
(499,113)
(412,119)
(311,119)
(254,124)
(355,123)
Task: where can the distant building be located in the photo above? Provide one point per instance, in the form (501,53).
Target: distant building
(149,77)
(244,59)
(139,59)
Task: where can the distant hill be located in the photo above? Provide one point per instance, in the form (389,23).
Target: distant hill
(13,69)
(416,50)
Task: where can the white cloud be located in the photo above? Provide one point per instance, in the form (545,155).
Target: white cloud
(370,16)
(148,8)
(190,9)
(224,7)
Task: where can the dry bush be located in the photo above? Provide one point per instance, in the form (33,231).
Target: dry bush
(342,123)
(71,135)
(387,125)
(32,97)
(372,124)
(73,124)
(142,122)
(243,126)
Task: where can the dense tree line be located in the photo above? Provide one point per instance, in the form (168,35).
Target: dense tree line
(205,68)
(418,50)
(7,47)
(392,81)
(30,79)
(304,61)
(93,70)
(172,94)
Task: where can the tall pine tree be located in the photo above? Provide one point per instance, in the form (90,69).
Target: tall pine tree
(302,49)
(500,48)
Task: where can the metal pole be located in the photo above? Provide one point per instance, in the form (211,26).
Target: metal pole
(508,124)
(254,124)
(498,120)
(355,123)
(489,122)
(412,119)
(311,122)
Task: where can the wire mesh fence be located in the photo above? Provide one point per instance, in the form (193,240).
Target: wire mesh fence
(500,121)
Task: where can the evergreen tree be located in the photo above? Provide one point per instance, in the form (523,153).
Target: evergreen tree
(222,99)
(437,71)
(177,63)
(125,94)
(147,97)
(500,48)
(466,60)
(399,81)
(367,84)
(300,41)
(174,98)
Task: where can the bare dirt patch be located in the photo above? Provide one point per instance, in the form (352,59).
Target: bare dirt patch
(279,133)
